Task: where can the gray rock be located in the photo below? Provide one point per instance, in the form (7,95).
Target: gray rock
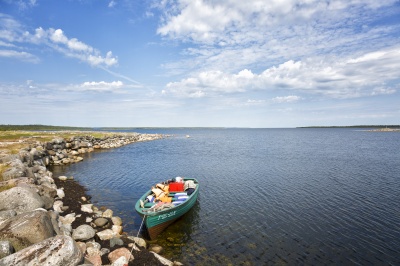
(93,244)
(5,249)
(48,202)
(83,232)
(4,215)
(55,251)
(47,190)
(20,199)
(100,221)
(104,251)
(26,157)
(8,158)
(139,241)
(116,241)
(57,206)
(15,181)
(54,216)
(66,229)
(17,169)
(27,228)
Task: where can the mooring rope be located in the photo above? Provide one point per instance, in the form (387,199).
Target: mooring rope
(140,228)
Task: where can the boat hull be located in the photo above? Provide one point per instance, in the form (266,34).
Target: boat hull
(156,222)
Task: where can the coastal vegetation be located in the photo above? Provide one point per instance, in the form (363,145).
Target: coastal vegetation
(41,127)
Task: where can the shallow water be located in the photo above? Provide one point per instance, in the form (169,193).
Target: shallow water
(268,196)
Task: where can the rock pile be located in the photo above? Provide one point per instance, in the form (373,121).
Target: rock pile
(34,229)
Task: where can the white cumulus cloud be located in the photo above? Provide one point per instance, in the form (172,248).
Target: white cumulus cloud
(13,35)
(369,74)
(56,39)
(101,86)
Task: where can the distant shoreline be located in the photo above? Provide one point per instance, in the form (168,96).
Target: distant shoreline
(100,129)
(375,127)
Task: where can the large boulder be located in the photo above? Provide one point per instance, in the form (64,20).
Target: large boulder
(16,181)
(20,199)
(27,228)
(56,251)
(16,169)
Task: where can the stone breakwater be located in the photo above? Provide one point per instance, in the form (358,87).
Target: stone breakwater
(36,228)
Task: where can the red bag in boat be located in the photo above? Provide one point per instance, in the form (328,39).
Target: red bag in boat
(176,187)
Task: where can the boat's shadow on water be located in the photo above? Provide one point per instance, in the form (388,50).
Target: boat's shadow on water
(177,235)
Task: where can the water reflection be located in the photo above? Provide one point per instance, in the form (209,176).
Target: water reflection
(178,234)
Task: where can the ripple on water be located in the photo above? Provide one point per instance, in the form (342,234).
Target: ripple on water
(268,196)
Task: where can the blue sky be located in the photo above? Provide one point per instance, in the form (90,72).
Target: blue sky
(200,63)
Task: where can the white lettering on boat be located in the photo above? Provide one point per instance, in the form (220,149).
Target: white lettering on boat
(163,216)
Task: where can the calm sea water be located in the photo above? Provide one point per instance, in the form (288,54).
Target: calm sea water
(268,196)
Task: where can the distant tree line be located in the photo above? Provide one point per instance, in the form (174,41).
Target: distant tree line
(356,126)
(41,128)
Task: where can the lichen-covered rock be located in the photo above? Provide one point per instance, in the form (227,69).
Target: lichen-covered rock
(4,215)
(27,228)
(56,251)
(5,249)
(16,169)
(20,199)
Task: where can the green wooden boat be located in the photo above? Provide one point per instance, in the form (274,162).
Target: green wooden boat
(156,218)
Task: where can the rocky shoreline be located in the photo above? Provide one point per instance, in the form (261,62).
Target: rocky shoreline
(46,220)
